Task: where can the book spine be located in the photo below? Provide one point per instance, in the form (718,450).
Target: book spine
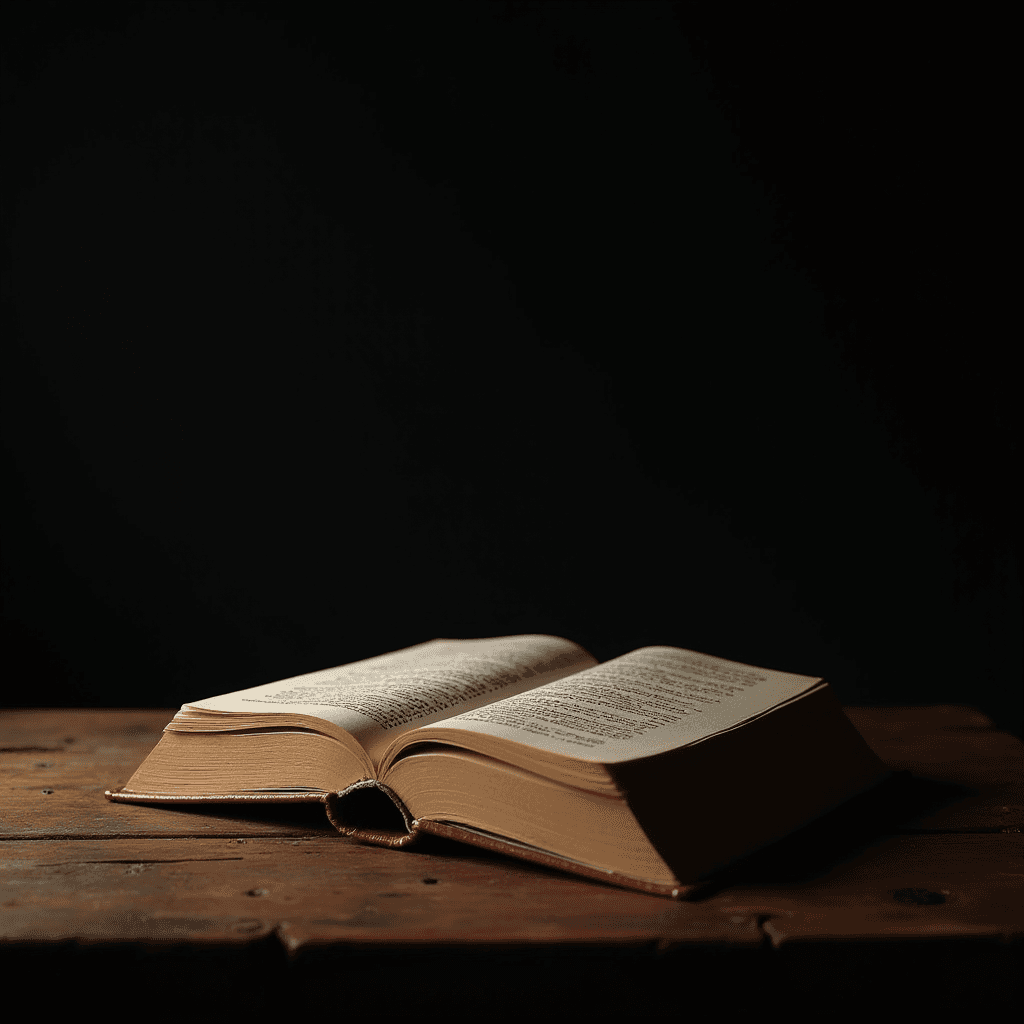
(365,811)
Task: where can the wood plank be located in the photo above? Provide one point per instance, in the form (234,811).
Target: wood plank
(317,892)
(55,765)
(920,925)
(964,774)
(962,886)
(262,930)
(288,921)
(66,729)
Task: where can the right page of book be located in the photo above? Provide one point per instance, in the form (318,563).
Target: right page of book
(646,702)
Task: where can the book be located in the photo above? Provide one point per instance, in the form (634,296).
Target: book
(651,771)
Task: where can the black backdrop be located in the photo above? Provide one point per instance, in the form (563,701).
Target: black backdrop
(329,329)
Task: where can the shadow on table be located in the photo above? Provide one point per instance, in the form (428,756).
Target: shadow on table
(305,817)
(844,833)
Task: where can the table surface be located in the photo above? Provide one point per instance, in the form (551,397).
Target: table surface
(929,866)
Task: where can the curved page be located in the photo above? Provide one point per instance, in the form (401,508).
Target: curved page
(644,703)
(379,698)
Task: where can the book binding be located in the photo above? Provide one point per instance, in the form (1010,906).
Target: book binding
(358,813)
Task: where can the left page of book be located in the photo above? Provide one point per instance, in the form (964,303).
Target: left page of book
(377,699)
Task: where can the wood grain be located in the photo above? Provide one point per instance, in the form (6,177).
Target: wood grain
(315,891)
(56,764)
(900,886)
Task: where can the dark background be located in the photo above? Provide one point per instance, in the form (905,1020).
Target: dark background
(332,329)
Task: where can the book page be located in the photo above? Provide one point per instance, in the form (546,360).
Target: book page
(376,699)
(644,703)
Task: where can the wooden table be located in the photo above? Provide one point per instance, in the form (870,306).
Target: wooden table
(911,898)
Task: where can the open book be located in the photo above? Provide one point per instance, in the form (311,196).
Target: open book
(650,771)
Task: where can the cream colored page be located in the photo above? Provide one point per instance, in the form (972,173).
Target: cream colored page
(646,702)
(377,698)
